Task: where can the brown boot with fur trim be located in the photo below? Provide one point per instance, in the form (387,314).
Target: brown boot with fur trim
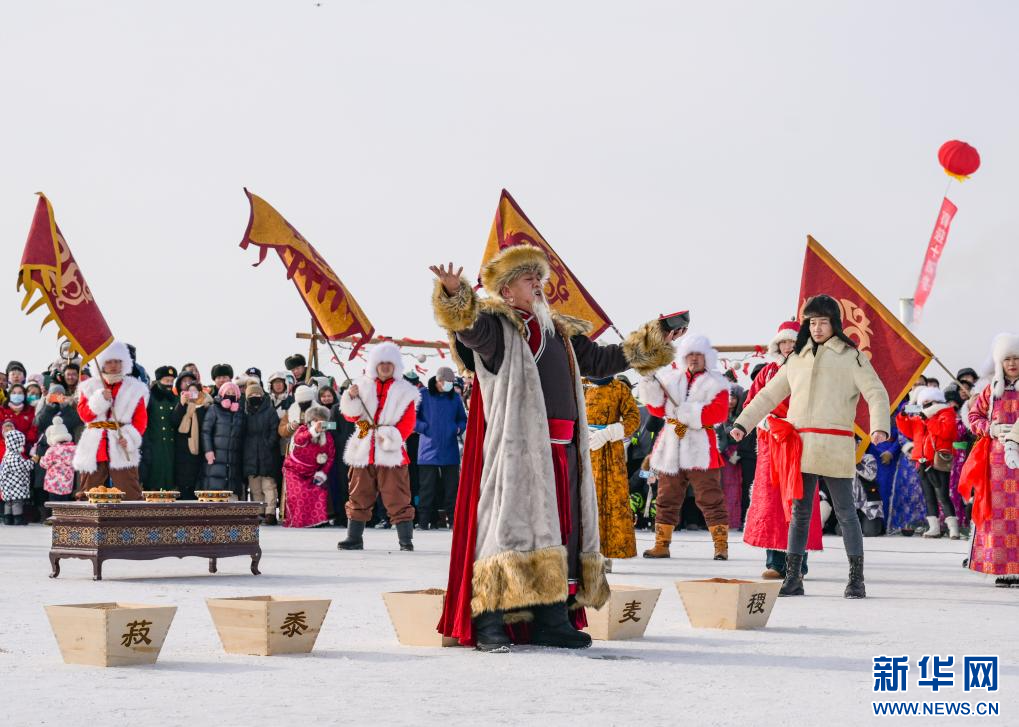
(663,537)
(720,537)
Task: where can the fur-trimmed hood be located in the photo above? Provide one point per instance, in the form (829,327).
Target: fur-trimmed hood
(930,395)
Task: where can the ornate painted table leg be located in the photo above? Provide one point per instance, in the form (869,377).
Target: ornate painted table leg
(212,565)
(254,562)
(55,564)
(97,569)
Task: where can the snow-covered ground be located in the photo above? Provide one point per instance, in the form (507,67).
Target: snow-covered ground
(811,665)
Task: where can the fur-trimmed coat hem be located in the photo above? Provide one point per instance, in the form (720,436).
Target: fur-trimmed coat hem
(515,580)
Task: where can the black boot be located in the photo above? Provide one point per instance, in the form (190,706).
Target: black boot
(855,587)
(552,627)
(793,583)
(490,633)
(20,520)
(1006,582)
(355,537)
(8,519)
(405,534)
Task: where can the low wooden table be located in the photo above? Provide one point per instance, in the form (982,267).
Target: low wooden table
(145,531)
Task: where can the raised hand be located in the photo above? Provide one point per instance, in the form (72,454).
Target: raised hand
(450,280)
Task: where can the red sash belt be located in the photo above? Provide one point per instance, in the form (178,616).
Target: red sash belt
(787,452)
(560,432)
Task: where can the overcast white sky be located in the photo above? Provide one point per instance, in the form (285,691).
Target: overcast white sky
(676,154)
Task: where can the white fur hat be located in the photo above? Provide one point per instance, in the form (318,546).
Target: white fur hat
(930,395)
(387,352)
(57,432)
(697,344)
(1004,345)
(116,351)
(304,393)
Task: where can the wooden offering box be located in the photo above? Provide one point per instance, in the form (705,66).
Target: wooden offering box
(148,530)
(268,625)
(110,634)
(719,603)
(626,614)
(415,614)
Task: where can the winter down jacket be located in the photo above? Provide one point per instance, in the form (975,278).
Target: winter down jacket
(223,435)
(262,442)
(441,417)
(824,391)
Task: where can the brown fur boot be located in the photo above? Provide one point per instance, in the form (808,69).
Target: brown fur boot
(720,537)
(663,536)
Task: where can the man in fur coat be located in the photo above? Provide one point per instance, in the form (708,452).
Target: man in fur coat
(113,407)
(384,407)
(525,538)
(692,400)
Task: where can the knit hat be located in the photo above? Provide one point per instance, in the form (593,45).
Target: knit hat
(230,389)
(292,362)
(697,344)
(278,376)
(412,377)
(445,373)
(57,432)
(304,394)
(222,370)
(253,389)
(56,388)
(15,366)
(36,379)
(787,331)
(1004,345)
(387,352)
(254,371)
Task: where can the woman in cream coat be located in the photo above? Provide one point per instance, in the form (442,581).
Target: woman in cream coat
(825,377)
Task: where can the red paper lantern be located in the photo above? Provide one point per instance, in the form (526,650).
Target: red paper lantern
(958,159)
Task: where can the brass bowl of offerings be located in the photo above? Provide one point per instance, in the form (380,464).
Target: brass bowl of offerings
(161,495)
(214,495)
(103,494)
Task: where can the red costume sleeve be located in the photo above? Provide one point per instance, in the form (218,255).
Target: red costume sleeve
(407,421)
(656,411)
(85,411)
(717,411)
(905,423)
(140,420)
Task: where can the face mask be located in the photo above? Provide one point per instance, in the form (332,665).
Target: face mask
(17,399)
(32,398)
(254,402)
(446,386)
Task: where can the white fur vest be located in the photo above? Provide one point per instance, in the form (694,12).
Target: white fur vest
(693,452)
(385,439)
(121,411)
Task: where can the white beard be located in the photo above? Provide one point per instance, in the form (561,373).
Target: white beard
(112,379)
(543,314)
